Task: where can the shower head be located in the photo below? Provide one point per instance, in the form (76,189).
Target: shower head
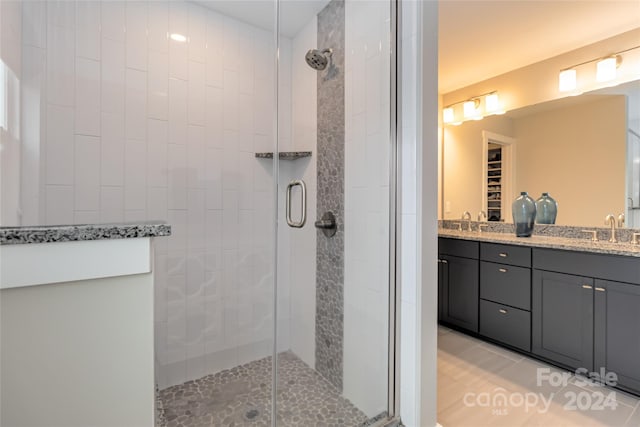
(318,59)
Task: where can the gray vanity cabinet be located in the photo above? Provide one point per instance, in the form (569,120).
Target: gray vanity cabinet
(458,272)
(617,331)
(575,309)
(562,318)
(584,321)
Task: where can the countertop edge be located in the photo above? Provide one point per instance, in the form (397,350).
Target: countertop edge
(73,233)
(546,242)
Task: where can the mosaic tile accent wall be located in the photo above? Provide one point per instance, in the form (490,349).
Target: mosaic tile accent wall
(330,251)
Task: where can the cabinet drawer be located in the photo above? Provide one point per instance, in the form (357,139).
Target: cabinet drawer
(505,284)
(461,248)
(601,266)
(506,324)
(506,254)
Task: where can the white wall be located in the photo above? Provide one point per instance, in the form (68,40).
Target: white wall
(555,148)
(427,152)
(367,151)
(10,137)
(134,126)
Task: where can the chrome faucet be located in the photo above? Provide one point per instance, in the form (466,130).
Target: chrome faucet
(611,220)
(482,214)
(621,220)
(466,216)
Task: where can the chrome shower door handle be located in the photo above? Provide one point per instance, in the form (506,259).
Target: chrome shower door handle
(303,194)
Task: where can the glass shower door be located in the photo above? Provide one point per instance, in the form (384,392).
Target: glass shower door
(334,213)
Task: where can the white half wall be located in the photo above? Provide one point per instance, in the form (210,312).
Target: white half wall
(68,261)
(78,353)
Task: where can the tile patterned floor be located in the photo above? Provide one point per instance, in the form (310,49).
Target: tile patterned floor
(242,397)
(473,375)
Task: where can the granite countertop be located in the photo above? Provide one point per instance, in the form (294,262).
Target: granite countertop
(67,233)
(551,242)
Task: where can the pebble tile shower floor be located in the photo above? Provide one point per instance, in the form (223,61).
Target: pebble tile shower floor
(241,396)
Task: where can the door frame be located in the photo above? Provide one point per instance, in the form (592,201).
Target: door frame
(508,167)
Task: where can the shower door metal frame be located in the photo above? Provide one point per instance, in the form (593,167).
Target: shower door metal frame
(394,225)
(276,211)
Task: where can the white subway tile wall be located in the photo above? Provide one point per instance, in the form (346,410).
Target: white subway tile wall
(409,384)
(367,157)
(136,125)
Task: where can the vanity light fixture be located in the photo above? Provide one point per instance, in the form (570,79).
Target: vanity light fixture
(606,68)
(475,108)
(600,70)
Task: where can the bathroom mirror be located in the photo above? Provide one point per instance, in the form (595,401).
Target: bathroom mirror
(583,150)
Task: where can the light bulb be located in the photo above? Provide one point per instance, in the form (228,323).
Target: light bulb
(447,115)
(492,104)
(470,109)
(567,80)
(606,69)
(178,37)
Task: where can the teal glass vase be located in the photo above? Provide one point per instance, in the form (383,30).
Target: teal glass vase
(524,215)
(547,209)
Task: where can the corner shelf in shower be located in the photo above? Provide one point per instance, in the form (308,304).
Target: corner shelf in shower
(285,155)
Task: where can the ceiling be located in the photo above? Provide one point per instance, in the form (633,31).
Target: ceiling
(482,39)
(294,14)
(478,39)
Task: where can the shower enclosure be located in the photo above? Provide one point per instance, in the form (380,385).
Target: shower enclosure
(263,132)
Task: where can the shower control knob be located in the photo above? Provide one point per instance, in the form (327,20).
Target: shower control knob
(327,224)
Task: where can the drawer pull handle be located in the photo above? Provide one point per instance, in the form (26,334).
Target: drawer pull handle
(587,286)
(502,270)
(600,289)
(444,261)
(503,311)
(504,254)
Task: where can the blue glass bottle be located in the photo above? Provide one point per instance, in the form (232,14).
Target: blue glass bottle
(547,209)
(524,214)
